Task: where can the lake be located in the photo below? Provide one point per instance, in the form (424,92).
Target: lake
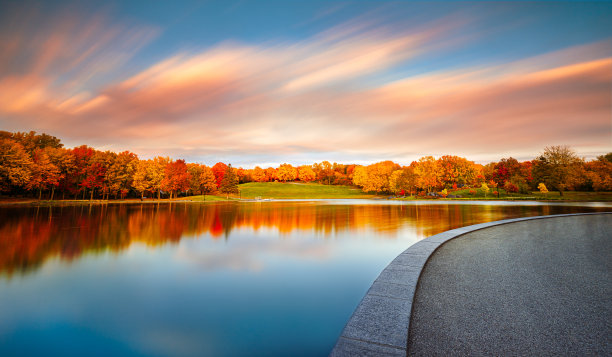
(219,279)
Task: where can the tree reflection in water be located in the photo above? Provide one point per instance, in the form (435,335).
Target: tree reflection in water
(30,235)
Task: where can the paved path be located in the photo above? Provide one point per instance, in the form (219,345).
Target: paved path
(538,287)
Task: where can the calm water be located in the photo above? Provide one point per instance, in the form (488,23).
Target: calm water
(271,278)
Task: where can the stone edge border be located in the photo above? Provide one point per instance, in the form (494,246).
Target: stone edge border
(379,325)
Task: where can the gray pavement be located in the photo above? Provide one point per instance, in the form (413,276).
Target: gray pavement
(536,287)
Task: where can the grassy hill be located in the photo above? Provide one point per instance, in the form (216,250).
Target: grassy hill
(298,190)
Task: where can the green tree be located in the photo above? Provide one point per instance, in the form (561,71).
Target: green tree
(229,183)
(556,167)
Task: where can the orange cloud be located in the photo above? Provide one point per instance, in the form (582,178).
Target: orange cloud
(285,100)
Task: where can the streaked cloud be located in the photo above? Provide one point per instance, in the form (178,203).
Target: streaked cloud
(333,95)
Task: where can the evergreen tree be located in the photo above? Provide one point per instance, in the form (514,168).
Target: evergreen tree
(229,183)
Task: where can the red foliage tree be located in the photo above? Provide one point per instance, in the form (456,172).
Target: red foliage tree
(219,171)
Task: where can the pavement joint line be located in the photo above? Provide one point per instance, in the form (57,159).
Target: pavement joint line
(374,343)
(390,297)
(408,266)
(416,273)
(406,285)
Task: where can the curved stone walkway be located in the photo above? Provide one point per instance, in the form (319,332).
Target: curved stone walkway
(538,286)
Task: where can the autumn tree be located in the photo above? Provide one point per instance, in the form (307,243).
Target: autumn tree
(395,182)
(324,172)
(455,170)
(141,181)
(244,176)
(402,180)
(202,179)
(195,170)
(176,178)
(286,172)
(157,173)
(360,176)
(427,173)
(258,174)
(219,170)
(120,174)
(80,159)
(229,184)
(306,173)
(556,167)
(208,183)
(45,175)
(15,165)
(64,161)
(485,188)
(32,141)
(94,173)
(598,173)
(271,174)
(375,177)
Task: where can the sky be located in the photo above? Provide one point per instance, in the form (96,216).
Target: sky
(268,82)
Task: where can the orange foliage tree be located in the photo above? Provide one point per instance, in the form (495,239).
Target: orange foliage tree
(176,177)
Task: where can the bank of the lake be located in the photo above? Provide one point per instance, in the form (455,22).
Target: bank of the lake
(307,191)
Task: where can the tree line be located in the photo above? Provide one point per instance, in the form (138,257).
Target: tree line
(39,164)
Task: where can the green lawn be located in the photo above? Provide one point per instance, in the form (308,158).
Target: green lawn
(298,190)
(503,195)
(207,198)
(278,190)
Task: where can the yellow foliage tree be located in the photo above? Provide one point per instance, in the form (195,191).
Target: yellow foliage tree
(142,181)
(306,173)
(286,172)
(427,173)
(157,174)
(484,188)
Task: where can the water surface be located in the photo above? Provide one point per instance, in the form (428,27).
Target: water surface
(189,279)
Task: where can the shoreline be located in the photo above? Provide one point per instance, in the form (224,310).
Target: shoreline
(35,202)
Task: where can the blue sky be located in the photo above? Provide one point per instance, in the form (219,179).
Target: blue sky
(266,82)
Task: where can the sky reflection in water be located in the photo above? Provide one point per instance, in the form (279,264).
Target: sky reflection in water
(265,278)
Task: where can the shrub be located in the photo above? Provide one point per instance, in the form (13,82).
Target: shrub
(510,187)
